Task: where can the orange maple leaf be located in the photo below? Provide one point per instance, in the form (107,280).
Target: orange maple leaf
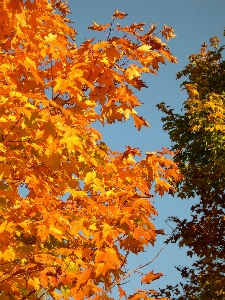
(98,27)
(139,121)
(149,277)
(168,55)
(119,15)
(168,32)
(122,292)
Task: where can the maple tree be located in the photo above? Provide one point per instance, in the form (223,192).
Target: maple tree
(198,137)
(87,206)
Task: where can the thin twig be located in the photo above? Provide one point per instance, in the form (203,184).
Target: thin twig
(129,274)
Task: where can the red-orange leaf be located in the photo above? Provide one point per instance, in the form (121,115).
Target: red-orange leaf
(139,121)
(122,292)
(148,278)
(98,27)
(119,15)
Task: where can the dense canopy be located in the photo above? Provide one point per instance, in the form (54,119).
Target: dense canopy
(86,207)
(198,137)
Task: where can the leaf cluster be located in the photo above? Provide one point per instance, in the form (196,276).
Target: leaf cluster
(198,137)
(87,207)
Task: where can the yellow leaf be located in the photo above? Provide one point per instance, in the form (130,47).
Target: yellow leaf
(2,119)
(144,48)
(89,177)
(6,226)
(168,55)
(2,226)
(106,230)
(39,133)
(55,232)
(73,267)
(51,37)
(29,63)
(93,227)
(75,73)
(101,269)
(109,193)
(72,143)
(2,148)
(21,18)
(130,159)
(219,127)
(90,103)
(25,225)
(34,282)
(125,112)
(76,194)
(12,118)
(9,254)
(132,72)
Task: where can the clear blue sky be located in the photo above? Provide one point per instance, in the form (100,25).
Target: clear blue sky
(194,22)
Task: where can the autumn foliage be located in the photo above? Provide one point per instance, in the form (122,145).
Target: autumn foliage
(87,206)
(198,137)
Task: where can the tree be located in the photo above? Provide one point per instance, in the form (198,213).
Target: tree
(87,206)
(198,138)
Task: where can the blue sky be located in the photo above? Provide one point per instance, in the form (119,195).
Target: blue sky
(194,22)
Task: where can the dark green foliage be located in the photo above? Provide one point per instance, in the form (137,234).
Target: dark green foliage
(198,139)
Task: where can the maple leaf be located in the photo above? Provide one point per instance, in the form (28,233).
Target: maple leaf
(35,282)
(132,71)
(168,32)
(119,15)
(148,278)
(122,292)
(168,55)
(51,37)
(62,7)
(193,93)
(139,121)
(133,28)
(3,226)
(98,27)
(144,48)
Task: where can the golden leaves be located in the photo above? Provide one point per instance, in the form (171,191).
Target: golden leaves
(83,202)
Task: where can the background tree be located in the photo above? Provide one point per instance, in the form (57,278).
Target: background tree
(87,207)
(198,137)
